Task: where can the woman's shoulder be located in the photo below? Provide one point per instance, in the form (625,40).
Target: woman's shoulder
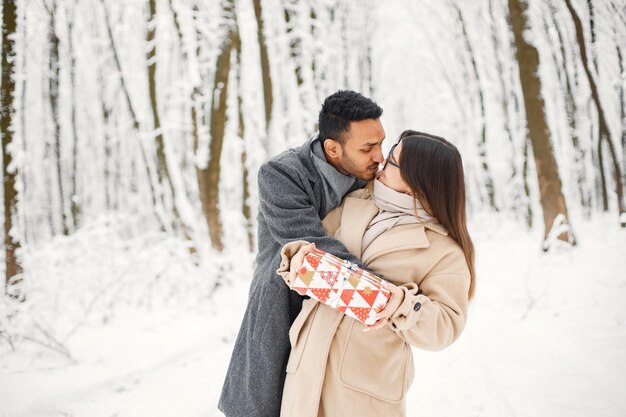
(447,251)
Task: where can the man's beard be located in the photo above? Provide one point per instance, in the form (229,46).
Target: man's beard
(351,168)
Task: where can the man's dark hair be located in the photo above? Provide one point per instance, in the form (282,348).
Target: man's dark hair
(341,108)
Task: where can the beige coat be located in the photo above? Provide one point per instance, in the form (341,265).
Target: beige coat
(336,369)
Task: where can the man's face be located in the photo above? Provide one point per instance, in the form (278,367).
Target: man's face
(361,152)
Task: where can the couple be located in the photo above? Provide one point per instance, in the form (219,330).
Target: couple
(406,222)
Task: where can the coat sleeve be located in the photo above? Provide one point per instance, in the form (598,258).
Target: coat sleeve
(433,316)
(289,212)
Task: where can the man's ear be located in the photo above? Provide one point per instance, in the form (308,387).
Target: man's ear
(332,148)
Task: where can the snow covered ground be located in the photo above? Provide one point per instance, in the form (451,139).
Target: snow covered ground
(546,334)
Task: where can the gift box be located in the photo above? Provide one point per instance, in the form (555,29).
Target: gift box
(342,285)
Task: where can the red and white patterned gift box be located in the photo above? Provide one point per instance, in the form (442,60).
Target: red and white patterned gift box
(342,285)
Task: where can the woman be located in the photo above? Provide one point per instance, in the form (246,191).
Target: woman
(410,229)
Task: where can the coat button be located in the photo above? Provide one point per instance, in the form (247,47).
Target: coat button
(417,306)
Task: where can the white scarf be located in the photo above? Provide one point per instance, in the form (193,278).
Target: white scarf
(395,208)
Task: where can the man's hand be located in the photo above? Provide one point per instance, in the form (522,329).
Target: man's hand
(297,260)
(397,296)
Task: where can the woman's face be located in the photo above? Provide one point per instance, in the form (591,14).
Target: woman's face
(390,174)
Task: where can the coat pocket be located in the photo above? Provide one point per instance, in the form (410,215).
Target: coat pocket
(376,363)
(299,334)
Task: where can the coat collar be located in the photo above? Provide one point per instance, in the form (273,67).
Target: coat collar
(357,213)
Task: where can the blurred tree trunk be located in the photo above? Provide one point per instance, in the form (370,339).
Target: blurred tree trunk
(105,113)
(482,143)
(551,196)
(74,201)
(500,54)
(295,44)
(133,114)
(571,111)
(529,210)
(164,180)
(313,32)
(622,102)
(26,229)
(592,30)
(209,177)
(246,210)
(13,269)
(268,96)
(53,84)
(604,132)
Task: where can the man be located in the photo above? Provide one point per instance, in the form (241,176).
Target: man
(296,190)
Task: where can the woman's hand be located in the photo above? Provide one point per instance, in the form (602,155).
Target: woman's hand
(397,296)
(297,260)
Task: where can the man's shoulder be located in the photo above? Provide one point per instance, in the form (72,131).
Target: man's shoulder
(292,158)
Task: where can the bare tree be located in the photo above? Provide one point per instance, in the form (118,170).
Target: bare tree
(603,127)
(568,86)
(13,268)
(482,143)
(246,210)
(163,174)
(622,106)
(508,102)
(53,94)
(551,196)
(74,206)
(268,94)
(131,109)
(209,177)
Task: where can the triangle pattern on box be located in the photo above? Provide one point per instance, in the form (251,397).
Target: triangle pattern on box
(330,277)
(354,280)
(346,295)
(360,312)
(313,260)
(369,295)
(321,293)
(307,277)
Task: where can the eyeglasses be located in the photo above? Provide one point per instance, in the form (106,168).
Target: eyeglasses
(389,159)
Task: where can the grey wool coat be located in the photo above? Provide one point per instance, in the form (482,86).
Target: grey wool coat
(292,204)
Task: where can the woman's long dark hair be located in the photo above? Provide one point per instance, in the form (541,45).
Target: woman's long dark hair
(432,167)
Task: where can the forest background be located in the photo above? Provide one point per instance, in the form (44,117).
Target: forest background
(133,130)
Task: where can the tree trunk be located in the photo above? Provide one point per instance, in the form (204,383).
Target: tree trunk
(13,268)
(592,29)
(572,114)
(295,44)
(265,71)
(482,143)
(551,196)
(209,177)
(131,110)
(163,174)
(622,102)
(74,201)
(604,132)
(246,210)
(53,85)
(529,210)
(26,229)
(498,54)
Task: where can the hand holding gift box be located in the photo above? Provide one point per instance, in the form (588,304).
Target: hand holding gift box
(341,285)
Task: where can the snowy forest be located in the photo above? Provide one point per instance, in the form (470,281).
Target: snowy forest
(133,130)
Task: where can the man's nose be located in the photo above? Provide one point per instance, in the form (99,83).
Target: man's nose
(378,157)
